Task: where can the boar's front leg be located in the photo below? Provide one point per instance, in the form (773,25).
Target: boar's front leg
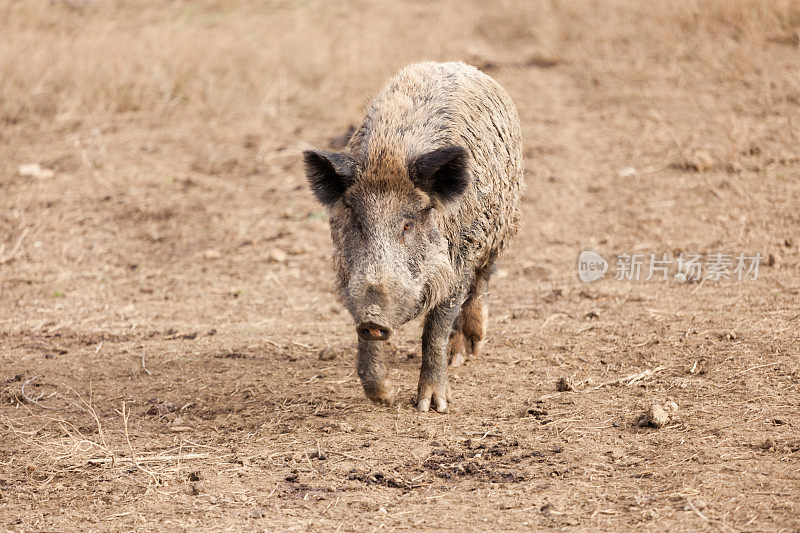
(433,390)
(372,371)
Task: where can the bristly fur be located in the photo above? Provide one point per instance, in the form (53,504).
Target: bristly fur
(429,106)
(420,204)
(450,132)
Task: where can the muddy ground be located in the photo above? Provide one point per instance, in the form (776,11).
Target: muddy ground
(172,353)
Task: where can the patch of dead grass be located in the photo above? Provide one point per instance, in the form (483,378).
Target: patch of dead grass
(269,62)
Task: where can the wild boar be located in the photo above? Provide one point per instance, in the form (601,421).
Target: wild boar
(420,203)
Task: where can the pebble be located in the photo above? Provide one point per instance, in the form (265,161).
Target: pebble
(35,170)
(276,255)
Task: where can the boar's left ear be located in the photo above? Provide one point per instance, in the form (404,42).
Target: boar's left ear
(329,174)
(442,173)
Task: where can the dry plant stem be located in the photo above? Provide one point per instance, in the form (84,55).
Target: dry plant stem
(80,441)
(150,459)
(15,250)
(144,367)
(90,408)
(134,459)
(697,511)
(31,400)
(630,378)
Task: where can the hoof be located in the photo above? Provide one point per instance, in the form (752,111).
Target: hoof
(381,393)
(432,396)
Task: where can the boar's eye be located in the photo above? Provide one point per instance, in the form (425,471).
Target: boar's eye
(409,224)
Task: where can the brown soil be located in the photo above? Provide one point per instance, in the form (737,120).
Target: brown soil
(172,354)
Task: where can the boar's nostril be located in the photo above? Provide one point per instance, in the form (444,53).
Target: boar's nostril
(370,331)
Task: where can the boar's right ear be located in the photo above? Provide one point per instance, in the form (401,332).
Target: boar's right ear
(443,173)
(329,174)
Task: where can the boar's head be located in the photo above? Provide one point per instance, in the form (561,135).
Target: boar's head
(388,226)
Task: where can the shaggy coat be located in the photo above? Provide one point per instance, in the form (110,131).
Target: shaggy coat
(427,106)
(421,203)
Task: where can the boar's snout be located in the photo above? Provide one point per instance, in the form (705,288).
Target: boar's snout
(372,326)
(372,331)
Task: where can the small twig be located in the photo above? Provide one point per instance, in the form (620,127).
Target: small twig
(278,283)
(745,371)
(699,285)
(419,477)
(631,378)
(790,290)
(147,471)
(340,381)
(91,410)
(330,504)
(550,319)
(696,510)
(151,459)
(31,400)
(145,366)
(275,344)
(348,456)
(12,254)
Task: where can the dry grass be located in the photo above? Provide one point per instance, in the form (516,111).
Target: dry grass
(268,62)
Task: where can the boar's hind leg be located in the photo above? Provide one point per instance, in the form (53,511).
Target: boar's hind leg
(476,312)
(469,330)
(372,371)
(456,346)
(433,390)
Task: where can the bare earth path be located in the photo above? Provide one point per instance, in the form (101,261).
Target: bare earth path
(172,355)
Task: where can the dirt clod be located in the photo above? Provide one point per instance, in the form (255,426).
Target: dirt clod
(327,354)
(565,384)
(658,415)
(696,161)
(773,261)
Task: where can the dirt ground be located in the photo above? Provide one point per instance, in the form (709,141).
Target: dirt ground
(172,353)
